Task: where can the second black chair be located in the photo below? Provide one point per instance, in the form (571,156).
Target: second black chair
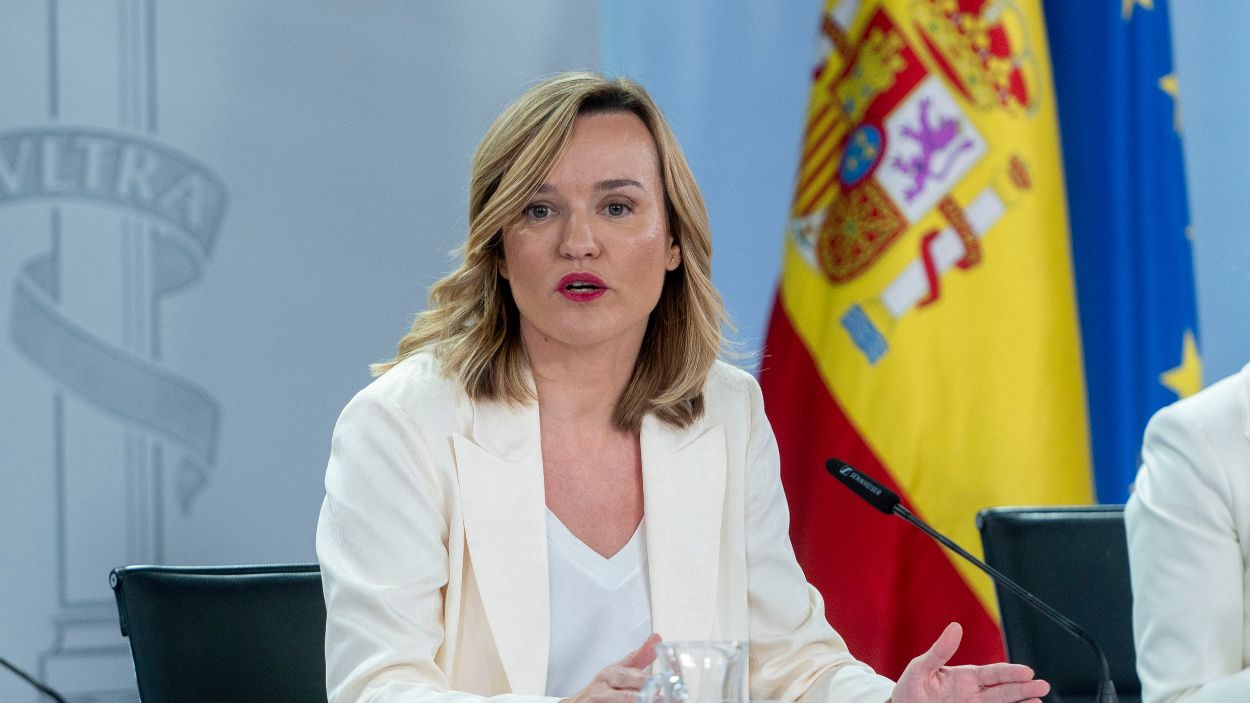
(1076,560)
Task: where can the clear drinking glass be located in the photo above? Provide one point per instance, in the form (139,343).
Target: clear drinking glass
(698,672)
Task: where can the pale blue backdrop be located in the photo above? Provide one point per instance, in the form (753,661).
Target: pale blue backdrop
(1213,66)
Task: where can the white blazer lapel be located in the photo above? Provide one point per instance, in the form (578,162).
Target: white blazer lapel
(683,492)
(501,485)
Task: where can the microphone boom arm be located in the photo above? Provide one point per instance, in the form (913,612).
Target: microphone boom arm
(1033,601)
(886,501)
(31,680)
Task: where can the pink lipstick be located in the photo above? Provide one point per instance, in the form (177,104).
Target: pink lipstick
(581,287)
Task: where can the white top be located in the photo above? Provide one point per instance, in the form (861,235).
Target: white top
(1188,526)
(600,606)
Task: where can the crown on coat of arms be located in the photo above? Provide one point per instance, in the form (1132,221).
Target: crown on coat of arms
(983,49)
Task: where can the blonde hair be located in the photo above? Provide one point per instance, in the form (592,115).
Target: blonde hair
(472,324)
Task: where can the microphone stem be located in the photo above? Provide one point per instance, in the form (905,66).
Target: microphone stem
(30,680)
(1010,585)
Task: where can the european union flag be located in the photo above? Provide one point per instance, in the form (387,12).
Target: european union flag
(1120,124)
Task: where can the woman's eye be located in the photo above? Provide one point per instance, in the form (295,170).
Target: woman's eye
(617,209)
(538,212)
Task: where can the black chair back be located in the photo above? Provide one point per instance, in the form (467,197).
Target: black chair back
(1076,560)
(224,633)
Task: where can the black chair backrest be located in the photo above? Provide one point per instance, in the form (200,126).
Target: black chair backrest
(1076,560)
(224,633)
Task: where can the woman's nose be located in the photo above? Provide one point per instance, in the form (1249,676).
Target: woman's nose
(579,240)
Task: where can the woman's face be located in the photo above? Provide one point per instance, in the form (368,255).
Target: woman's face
(587,260)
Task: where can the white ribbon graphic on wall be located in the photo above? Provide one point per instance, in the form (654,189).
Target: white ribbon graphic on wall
(185,204)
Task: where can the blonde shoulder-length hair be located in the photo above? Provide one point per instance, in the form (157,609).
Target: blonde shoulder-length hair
(472,324)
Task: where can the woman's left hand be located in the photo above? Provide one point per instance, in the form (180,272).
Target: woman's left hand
(927,678)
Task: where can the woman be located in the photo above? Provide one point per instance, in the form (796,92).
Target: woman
(1188,523)
(555,465)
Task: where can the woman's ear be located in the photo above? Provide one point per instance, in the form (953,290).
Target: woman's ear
(501,261)
(674,256)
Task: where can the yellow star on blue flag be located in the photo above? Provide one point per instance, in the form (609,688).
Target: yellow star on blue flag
(1126,10)
(1168,84)
(1186,379)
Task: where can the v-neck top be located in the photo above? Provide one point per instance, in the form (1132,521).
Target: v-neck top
(600,606)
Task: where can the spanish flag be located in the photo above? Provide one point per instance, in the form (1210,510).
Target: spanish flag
(926,327)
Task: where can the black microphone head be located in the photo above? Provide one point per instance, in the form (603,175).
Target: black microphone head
(877,495)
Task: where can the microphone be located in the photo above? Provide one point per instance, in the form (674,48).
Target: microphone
(887,501)
(31,680)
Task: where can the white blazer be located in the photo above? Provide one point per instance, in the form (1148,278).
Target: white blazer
(432,543)
(1188,524)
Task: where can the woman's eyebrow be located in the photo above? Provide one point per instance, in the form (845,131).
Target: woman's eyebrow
(614,183)
(610,184)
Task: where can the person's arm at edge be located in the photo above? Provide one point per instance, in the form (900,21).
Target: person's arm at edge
(1187,568)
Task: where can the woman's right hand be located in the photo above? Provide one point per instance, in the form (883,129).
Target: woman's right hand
(620,682)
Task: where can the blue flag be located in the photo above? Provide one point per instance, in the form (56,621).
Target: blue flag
(1120,124)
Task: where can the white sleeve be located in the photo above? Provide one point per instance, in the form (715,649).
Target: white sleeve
(795,654)
(1187,569)
(382,544)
